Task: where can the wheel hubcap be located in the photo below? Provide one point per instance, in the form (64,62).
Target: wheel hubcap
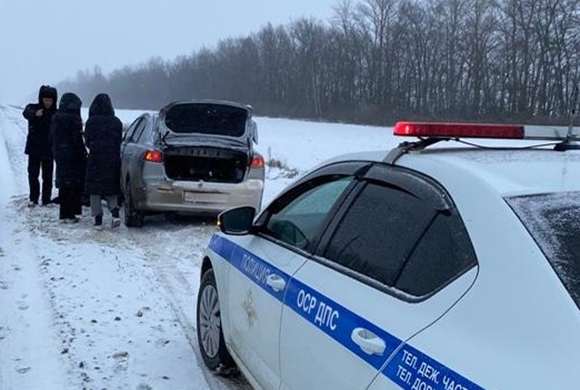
(209,321)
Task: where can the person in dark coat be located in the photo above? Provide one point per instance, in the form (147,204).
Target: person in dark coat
(103,135)
(38,148)
(70,156)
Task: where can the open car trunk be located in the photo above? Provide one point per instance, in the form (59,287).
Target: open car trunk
(208,164)
(206,141)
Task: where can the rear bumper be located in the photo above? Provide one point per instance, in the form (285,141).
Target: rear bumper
(199,198)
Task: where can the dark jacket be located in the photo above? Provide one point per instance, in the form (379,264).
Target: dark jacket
(67,143)
(103,135)
(37,141)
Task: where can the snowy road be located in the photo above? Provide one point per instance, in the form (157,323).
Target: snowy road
(81,309)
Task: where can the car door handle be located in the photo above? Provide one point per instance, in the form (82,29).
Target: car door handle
(276,282)
(370,343)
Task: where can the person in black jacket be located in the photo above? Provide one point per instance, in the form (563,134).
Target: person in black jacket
(70,156)
(38,148)
(103,136)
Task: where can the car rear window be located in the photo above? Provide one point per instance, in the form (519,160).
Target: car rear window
(553,220)
(214,119)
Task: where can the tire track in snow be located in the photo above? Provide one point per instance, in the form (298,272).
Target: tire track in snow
(177,289)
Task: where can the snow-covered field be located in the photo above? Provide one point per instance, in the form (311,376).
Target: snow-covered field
(81,309)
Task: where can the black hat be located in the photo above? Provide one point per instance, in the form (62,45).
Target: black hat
(46,91)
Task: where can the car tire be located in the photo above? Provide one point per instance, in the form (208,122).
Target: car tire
(210,335)
(133,217)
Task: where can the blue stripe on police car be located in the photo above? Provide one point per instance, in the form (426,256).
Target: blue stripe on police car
(410,369)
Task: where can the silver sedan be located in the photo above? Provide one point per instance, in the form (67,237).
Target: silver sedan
(193,157)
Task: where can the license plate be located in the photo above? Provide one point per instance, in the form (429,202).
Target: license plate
(190,197)
(201,198)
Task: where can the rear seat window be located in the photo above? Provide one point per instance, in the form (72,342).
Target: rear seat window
(397,239)
(443,254)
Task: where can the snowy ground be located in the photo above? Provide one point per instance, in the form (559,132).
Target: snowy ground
(81,309)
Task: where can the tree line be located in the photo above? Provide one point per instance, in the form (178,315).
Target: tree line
(377,61)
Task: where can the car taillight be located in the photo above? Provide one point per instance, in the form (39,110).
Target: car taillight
(257,162)
(153,156)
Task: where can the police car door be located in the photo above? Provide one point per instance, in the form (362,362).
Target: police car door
(394,259)
(263,265)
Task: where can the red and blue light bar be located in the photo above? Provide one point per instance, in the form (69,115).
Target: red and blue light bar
(481,130)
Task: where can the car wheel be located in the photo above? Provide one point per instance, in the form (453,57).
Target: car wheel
(209,326)
(133,217)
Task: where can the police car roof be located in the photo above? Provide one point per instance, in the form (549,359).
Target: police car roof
(510,172)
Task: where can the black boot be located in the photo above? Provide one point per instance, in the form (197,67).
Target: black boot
(99,222)
(116,218)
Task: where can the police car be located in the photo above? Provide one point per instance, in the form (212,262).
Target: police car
(422,268)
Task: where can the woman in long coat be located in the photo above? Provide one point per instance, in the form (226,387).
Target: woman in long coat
(103,136)
(70,156)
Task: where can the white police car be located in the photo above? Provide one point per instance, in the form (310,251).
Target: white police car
(418,269)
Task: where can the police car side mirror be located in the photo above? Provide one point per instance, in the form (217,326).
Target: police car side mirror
(238,221)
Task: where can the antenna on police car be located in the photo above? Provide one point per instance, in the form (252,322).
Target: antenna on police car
(569,143)
(574,108)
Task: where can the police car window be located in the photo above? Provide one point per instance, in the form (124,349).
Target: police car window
(443,253)
(553,220)
(378,232)
(298,222)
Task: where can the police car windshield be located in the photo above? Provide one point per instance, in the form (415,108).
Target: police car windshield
(553,220)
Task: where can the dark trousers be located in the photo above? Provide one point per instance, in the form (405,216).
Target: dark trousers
(35,164)
(70,202)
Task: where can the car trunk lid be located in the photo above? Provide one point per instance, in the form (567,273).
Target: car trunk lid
(209,119)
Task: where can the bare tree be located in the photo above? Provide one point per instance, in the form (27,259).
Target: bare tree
(376,61)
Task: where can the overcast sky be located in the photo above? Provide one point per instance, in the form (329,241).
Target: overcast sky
(46,41)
